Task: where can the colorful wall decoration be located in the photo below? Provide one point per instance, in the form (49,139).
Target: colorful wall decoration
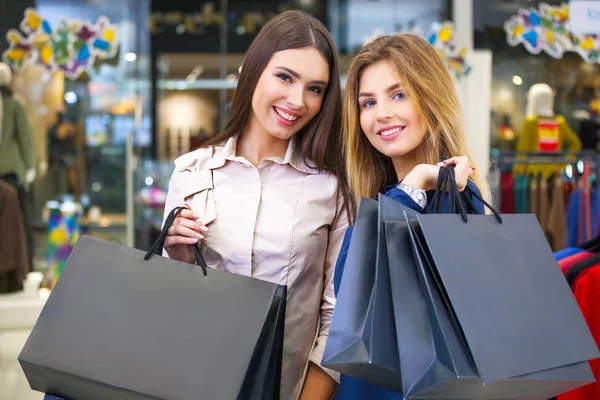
(442,38)
(547,29)
(72,46)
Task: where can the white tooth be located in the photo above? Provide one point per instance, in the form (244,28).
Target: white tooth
(285,115)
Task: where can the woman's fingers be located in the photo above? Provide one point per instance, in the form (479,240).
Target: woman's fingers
(181,230)
(171,241)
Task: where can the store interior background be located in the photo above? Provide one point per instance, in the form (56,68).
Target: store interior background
(169,88)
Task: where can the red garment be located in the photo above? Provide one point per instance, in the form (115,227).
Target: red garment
(566,263)
(587,292)
(508,194)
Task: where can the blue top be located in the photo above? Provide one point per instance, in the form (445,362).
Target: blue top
(351,388)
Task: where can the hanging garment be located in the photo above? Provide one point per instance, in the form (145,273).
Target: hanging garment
(550,135)
(576,221)
(544,210)
(556,222)
(495,182)
(587,293)
(24,204)
(518,194)
(522,194)
(508,193)
(13,248)
(569,188)
(534,199)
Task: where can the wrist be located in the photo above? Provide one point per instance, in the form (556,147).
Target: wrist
(423,176)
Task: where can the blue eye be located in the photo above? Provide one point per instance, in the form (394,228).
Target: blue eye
(399,96)
(284,77)
(368,103)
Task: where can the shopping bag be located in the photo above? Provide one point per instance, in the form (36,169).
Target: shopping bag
(481,309)
(117,326)
(362,335)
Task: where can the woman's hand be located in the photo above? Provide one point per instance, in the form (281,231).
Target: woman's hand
(425,176)
(185,231)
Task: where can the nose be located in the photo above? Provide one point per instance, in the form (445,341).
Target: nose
(295,97)
(384,111)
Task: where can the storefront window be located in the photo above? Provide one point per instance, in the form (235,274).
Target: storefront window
(575,81)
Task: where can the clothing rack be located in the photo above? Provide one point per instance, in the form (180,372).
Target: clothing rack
(591,157)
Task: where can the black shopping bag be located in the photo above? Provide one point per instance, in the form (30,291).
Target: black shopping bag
(362,336)
(119,327)
(481,309)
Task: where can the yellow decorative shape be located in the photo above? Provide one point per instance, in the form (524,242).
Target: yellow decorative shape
(14,54)
(549,36)
(33,20)
(462,52)
(587,43)
(518,30)
(13,38)
(41,39)
(109,35)
(46,54)
(445,34)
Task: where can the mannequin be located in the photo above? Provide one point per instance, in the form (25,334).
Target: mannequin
(17,154)
(17,159)
(543,131)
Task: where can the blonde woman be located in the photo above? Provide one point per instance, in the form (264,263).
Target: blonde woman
(402,123)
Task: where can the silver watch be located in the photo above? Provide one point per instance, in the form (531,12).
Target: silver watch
(418,195)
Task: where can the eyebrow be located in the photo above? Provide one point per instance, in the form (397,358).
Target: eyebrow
(391,88)
(297,76)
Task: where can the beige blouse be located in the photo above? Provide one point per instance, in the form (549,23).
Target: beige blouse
(282,222)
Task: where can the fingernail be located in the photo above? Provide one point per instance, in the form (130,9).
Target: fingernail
(199,236)
(204,229)
(194,240)
(196,215)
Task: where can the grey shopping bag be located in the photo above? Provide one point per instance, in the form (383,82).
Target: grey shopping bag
(119,327)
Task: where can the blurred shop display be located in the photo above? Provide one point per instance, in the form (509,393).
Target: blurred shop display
(64,230)
(72,46)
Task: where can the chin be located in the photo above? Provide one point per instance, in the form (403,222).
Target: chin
(396,151)
(282,135)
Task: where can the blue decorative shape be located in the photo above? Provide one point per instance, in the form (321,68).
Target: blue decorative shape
(101,44)
(432,38)
(84,53)
(531,37)
(534,18)
(46,27)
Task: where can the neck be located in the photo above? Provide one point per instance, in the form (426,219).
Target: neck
(255,144)
(404,164)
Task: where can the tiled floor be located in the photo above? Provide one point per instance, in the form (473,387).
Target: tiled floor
(13,384)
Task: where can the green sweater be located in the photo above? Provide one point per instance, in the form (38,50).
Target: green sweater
(17,154)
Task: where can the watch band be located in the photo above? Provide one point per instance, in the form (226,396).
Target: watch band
(418,195)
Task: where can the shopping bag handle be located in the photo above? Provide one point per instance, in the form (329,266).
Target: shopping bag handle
(158,245)
(460,202)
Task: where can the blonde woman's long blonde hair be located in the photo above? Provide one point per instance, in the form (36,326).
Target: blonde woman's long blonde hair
(430,88)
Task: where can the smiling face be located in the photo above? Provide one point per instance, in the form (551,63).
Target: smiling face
(387,117)
(290,91)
